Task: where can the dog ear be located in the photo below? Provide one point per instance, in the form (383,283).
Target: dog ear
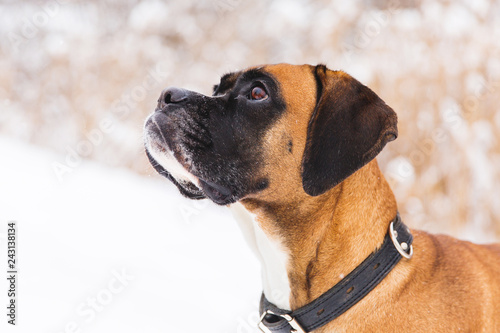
(348,128)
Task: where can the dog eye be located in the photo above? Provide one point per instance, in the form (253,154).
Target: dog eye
(258,93)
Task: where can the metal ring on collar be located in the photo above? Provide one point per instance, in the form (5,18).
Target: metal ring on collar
(296,328)
(403,247)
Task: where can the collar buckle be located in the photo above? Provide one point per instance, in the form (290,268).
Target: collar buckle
(296,328)
(403,247)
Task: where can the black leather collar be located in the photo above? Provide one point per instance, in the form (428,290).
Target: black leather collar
(346,293)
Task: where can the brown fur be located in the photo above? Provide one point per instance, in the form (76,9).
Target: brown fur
(448,285)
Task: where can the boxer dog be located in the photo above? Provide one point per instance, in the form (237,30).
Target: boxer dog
(291,150)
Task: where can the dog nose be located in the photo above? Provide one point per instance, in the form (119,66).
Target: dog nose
(172,95)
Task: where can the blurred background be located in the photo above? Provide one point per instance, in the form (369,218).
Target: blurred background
(78,79)
(68,67)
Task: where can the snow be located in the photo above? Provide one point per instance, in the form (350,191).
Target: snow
(187,261)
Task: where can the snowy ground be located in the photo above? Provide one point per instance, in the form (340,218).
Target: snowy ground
(109,251)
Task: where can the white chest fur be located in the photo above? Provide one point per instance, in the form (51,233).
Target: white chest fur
(272,255)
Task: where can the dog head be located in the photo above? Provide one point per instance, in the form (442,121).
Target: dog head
(267,133)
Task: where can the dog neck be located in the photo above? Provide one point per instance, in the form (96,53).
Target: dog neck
(307,248)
